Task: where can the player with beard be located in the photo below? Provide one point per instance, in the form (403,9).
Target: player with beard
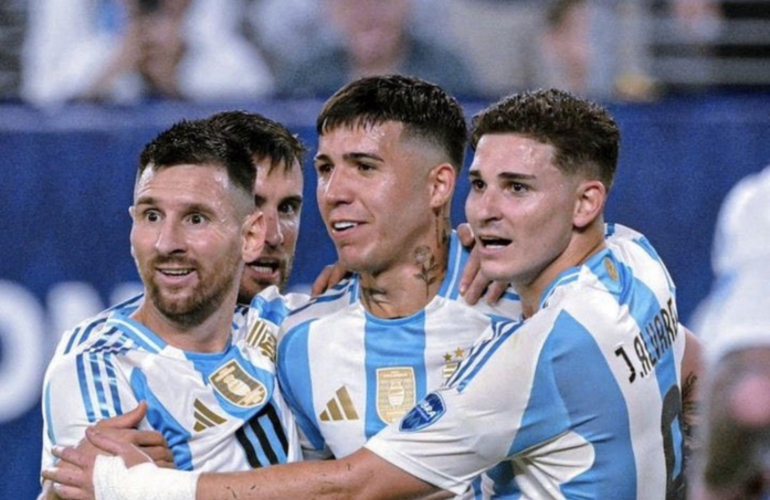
(581,399)
(194,225)
(278,156)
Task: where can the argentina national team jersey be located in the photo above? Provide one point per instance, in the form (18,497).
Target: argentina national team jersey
(347,374)
(581,400)
(218,411)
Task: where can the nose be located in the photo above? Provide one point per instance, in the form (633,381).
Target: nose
(273,230)
(170,238)
(482,207)
(335,188)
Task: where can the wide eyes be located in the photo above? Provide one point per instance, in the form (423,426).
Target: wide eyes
(289,208)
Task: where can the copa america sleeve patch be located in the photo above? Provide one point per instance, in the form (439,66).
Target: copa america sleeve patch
(427,411)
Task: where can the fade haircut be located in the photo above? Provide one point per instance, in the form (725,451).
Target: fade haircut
(262,137)
(425,110)
(585,137)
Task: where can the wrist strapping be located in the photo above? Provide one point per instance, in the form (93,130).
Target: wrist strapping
(146,481)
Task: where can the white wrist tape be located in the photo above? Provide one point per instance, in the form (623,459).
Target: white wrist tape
(113,481)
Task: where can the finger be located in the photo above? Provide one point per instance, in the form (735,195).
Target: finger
(159,454)
(495,292)
(59,475)
(70,492)
(330,276)
(475,289)
(166,464)
(127,420)
(148,439)
(469,279)
(338,274)
(103,441)
(69,455)
(321,283)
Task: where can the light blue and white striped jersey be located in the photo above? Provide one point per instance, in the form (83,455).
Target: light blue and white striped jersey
(218,411)
(582,400)
(347,374)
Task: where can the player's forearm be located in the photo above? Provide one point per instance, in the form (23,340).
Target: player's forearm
(362,476)
(277,482)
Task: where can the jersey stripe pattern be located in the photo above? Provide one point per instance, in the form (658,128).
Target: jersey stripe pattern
(582,400)
(347,374)
(218,411)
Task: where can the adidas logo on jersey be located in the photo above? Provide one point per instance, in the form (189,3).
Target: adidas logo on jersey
(261,337)
(339,408)
(205,418)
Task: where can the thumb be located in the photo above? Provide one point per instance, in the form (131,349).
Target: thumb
(128,420)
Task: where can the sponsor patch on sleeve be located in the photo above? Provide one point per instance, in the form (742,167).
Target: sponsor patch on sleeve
(427,411)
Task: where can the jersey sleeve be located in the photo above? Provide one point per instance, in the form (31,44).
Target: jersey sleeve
(458,432)
(80,389)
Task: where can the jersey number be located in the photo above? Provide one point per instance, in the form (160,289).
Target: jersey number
(672,416)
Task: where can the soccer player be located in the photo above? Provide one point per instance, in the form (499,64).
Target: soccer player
(210,389)
(357,358)
(581,399)
(278,157)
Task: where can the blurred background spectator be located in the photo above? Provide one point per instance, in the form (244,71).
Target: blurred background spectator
(371,37)
(13,21)
(499,38)
(596,48)
(127,50)
(710,45)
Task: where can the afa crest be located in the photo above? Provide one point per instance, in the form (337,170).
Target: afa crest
(612,271)
(396,393)
(237,386)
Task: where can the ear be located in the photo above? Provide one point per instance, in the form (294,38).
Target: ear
(589,204)
(253,231)
(132,213)
(441,179)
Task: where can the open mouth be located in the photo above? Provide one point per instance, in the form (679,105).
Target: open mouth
(494,242)
(264,266)
(176,272)
(344,225)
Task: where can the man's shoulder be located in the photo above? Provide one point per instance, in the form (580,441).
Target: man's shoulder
(278,307)
(93,330)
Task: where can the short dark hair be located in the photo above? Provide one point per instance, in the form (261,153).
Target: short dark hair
(262,138)
(426,110)
(199,142)
(584,135)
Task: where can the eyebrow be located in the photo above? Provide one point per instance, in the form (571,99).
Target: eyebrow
(192,207)
(297,199)
(506,176)
(352,157)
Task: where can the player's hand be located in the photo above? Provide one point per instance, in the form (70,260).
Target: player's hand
(73,477)
(122,428)
(473,284)
(330,276)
